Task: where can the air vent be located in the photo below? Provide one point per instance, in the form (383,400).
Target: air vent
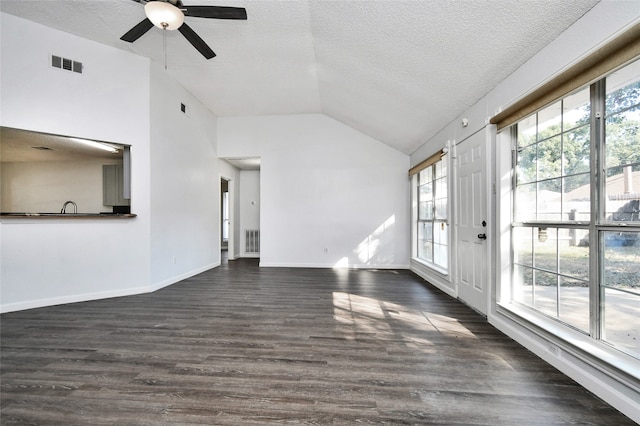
(42,148)
(252,241)
(183,108)
(66,64)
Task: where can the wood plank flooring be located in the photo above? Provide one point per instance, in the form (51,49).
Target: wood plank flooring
(244,345)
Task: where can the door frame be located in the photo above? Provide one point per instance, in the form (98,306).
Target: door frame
(232,196)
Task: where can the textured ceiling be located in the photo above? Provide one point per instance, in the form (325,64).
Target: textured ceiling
(22,145)
(396,70)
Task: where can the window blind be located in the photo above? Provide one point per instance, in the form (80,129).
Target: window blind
(619,51)
(426,163)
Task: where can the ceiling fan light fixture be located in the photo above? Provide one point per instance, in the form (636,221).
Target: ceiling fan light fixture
(164,15)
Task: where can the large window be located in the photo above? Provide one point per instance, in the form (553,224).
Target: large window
(576,215)
(433,232)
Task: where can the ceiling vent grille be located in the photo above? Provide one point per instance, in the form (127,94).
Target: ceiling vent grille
(66,64)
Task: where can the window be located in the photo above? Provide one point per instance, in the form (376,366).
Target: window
(576,215)
(432,225)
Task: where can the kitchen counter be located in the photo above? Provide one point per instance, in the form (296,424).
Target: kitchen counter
(14,215)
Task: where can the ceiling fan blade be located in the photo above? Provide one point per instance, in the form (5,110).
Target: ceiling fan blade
(216,12)
(196,41)
(136,32)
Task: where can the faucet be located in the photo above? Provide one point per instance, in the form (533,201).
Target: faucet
(64,207)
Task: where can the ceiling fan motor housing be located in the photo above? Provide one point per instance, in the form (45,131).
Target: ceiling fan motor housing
(164,15)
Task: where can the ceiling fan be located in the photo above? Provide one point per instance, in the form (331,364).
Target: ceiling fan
(169,15)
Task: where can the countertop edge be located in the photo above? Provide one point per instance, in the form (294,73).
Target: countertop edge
(66,216)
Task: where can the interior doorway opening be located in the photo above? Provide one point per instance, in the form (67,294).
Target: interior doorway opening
(225,221)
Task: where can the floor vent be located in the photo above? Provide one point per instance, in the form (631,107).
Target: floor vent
(66,64)
(252,241)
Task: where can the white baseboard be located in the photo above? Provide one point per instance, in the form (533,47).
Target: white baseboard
(72,298)
(85,297)
(330,266)
(184,276)
(250,255)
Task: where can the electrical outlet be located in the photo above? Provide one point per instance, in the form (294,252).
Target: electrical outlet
(174,259)
(326,250)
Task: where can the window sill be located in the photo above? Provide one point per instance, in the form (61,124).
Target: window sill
(441,271)
(597,354)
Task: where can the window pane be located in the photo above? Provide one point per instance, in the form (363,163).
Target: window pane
(622,260)
(576,150)
(546,293)
(425,191)
(576,109)
(526,170)
(622,302)
(573,259)
(425,241)
(576,199)
(440,233)
(523,246)
(441,188)
(623,137)
(525,202)
(623,88)
(621,318)
(523,285)
(441,169)
(549,120)
(527,131)
(545,249)
(425,210)
(625,211)
(549,200)
(549,158)
(574,303)
(441,209)
(622,142)
(425,176)
(440,255)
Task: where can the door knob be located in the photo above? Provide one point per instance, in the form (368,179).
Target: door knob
(482,236)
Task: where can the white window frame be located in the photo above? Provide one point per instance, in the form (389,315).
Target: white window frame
(445,271)
(588,348)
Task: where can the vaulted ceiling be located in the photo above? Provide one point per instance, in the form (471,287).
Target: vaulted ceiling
(396,70)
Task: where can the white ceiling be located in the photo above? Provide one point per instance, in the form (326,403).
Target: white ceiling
(23,146)
(398,71)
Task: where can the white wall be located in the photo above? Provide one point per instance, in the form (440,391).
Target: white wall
(249,206)
(43,186)
(119,98)
(185,191)
(57,261)
(324,186)
(595,28)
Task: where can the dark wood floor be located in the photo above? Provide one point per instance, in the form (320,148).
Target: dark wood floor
(242,345)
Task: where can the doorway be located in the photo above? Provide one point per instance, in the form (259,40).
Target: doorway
(225,220)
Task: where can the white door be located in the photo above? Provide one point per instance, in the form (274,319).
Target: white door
(472,220)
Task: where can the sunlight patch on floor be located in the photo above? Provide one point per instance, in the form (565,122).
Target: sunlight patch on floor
(360,314)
